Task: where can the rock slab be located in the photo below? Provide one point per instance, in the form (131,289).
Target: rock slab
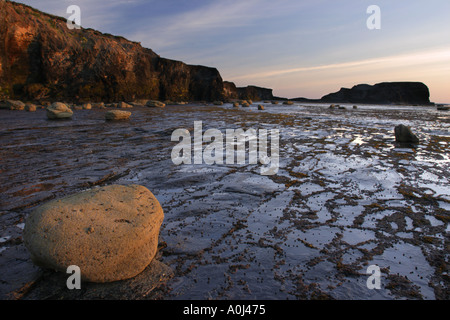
(111,232)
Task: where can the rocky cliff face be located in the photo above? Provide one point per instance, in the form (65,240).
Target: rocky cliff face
(40,58)
(387,92)
(245,93)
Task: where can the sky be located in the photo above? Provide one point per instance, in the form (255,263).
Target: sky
(298,48)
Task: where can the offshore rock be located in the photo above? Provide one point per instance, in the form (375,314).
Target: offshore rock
(381,93)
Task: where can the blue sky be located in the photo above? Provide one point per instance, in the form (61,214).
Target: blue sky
(299,48)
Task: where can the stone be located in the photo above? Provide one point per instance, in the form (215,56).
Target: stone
(15,105)
(355,107)
(289,103)
(155,104)
(403,134)
(236,105)
(87,106)
(274,102)
(218,103)
(245,104)
(59,110)
(117,115)
(111,233)
(124,105)
(260,107)
(139,102)
(30,107)
(100,105)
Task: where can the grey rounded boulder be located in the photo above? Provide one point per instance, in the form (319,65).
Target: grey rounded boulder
(111,233)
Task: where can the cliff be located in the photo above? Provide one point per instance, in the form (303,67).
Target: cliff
(383,93)
(245,93)
(40,58)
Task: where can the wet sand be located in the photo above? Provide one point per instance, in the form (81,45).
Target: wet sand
(346,197)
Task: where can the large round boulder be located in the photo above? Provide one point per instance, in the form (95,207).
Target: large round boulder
(110,233)
(59,110)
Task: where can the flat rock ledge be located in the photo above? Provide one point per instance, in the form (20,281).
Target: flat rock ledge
(111,233)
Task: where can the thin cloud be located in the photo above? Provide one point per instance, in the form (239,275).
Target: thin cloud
(399,60)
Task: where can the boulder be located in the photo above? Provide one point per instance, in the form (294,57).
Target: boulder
(274,102)
(289,103)
(100,105)
(124,105)
(403,134)
(15,105)
(30,107)
(59,110)
(87,106)
(115,115)
(155,104)
(236,104)
(139,102)
(218,103)
(260,107)
(245,104)
(111,233)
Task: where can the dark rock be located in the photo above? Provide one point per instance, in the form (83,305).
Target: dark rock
(403,134)
(260,107)
(230,91)
(387,92)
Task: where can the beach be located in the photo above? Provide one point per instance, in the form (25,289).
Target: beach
(346,196)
